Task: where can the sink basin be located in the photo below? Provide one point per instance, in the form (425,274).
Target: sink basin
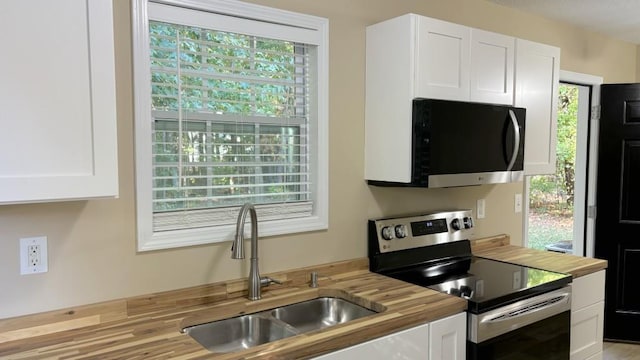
(249,330)
(239,333)
(319,313)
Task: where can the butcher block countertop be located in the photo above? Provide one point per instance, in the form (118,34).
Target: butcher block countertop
(498,248)
(148,327)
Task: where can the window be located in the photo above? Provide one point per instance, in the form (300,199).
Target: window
(230,107)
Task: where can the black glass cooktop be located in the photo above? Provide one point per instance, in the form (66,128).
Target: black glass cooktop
(485,283)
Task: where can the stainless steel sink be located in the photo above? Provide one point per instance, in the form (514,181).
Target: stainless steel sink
(239,333)
(320,313)
(249,330)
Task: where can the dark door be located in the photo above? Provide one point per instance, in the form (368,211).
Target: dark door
(618,208)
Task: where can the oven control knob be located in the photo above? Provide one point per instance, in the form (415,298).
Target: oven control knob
(401,231)
(468,222)
(387,233)
(455,224)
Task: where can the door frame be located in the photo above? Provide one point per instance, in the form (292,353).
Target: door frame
(594,83)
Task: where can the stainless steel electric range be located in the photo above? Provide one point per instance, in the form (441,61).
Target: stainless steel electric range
(513,312)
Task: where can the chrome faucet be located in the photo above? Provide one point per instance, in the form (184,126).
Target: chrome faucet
(237,252)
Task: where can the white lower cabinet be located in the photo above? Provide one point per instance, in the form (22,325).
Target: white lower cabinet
(442,339)
(587,316)
(448,338)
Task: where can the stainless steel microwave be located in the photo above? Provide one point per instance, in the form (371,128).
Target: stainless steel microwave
(455,143)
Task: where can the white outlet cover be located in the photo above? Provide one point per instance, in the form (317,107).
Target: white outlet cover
(480,209)
(42,264)
(517,203)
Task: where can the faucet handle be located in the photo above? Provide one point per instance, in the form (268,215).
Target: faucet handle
(266,281)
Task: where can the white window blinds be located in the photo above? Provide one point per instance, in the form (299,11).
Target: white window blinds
(231,122)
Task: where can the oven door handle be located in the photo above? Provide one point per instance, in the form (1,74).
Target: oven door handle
(529,309)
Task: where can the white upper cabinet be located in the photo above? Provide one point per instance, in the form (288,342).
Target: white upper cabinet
(455,62)
(492,67)
(442,62)
(537,80)
(413,56)
(57,95)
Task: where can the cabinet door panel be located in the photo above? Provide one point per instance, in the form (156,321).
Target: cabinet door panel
(448,338)
(58,101)
(492,67)
(442,62)
(407,344)
(586,331)
(537,81)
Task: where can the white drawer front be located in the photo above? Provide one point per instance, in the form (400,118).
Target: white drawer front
(587,290)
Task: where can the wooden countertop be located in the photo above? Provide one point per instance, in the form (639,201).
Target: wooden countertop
(498,248)
(148,327)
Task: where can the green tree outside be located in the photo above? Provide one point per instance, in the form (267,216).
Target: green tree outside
(552,196)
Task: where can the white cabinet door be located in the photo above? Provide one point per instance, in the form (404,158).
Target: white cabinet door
(57,95)
(587,316)
(455,62)
(442,60)
(492,67)
(448,338)
(407,344)
(586,331)
(536,89)
(389,92)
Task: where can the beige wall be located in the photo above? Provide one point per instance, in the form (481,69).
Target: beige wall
(638,63)
(92,249)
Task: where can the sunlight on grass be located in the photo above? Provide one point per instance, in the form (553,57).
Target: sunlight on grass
(545,229)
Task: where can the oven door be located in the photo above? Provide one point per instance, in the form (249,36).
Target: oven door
(546,339)
(535,328)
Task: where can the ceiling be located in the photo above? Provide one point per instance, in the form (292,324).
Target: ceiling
(617,18)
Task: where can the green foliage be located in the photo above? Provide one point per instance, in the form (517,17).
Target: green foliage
(551,196)
(222,72)
(543,233)
(558,189)
(202,163)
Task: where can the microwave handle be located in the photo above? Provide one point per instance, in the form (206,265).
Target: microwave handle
(516,133)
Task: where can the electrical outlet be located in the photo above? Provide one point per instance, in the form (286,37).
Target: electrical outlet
(480,209)
(33,255)
(518,203)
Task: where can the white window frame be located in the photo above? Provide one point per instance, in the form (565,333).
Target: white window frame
(150,240)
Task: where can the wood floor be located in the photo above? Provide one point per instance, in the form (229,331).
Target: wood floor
(621,351)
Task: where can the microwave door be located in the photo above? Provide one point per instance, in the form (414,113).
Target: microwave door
(462,143)
(474,144)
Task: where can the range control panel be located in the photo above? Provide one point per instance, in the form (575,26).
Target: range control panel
(407,232)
